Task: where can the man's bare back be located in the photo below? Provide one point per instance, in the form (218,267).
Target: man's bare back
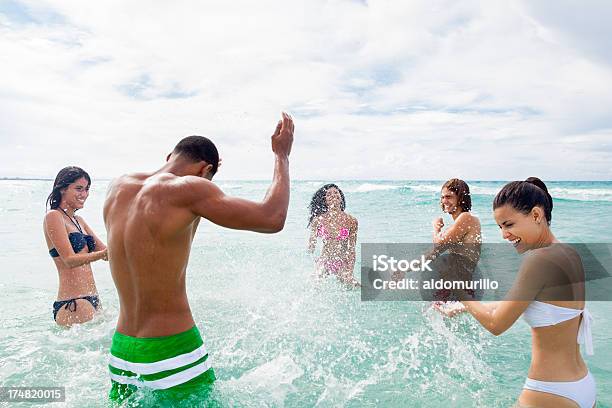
(150,236)
(151,219)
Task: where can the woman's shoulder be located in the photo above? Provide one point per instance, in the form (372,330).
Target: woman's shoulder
(54,218)
(557,253)
(540,258)
(351,220)
(316,221)
(53,214)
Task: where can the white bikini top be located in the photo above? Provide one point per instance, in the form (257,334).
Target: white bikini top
(539,314)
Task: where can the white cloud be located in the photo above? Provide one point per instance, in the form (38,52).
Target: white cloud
(387,90)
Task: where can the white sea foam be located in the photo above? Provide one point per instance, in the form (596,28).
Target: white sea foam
(368,187)
(579,194)
(582,194)
(274,378)
(425,188)
(481,190)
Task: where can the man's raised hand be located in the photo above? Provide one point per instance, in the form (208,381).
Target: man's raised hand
(282,139)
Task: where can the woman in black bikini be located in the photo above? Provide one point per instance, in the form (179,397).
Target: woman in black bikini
(73,246)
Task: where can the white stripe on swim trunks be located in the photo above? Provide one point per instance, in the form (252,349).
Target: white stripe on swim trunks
(167,382)
(162,365)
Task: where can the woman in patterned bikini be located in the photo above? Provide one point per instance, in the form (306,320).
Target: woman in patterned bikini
(338,231)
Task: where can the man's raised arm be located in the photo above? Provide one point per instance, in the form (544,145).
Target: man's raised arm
(267,216)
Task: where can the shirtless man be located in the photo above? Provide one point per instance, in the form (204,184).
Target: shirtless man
(151,219)
(462,239)
(455,200)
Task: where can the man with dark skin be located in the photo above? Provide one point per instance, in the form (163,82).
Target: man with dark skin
(151,219)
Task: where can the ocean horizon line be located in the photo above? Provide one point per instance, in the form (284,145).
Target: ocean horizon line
(328,180)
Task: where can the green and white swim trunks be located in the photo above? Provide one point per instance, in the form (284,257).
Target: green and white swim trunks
(176,365)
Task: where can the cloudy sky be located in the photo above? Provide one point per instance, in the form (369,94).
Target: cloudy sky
(379,89)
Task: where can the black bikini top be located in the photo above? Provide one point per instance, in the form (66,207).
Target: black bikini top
(78,240)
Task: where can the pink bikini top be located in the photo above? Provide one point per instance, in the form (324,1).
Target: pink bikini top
(342,234)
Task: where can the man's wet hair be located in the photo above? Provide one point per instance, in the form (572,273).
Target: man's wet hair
(462,190)
(198,148)
(524,195)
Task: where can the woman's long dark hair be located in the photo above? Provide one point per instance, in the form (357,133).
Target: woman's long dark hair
(524,195)
(64,178)
(318,204)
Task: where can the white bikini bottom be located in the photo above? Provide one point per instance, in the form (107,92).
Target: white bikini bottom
(583,392)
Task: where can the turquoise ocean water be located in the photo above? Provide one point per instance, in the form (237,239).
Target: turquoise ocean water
(276,337)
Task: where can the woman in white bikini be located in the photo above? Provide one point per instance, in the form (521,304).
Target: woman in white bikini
(549,293)
(338,231)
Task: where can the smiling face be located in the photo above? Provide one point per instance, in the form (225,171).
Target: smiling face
(333,199)
(523,231)
(75,194)
(449,201)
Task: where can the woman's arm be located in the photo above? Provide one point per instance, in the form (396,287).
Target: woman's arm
(350,255)
(501,316)
(496,318)
(312,240)
(56,231)
(443,308)
(352,241)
